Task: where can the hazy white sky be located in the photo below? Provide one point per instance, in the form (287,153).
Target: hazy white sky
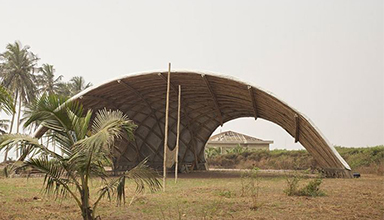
(324,58)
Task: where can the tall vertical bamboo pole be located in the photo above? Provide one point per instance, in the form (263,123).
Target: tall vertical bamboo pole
(166,128)
(18,128)
(178,135)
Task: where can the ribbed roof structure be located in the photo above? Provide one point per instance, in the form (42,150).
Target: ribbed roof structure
(234,137)
(208,101)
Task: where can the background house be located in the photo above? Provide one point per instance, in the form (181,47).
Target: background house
(229,139)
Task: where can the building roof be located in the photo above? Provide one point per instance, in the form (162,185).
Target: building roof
(208,100)
(234,137)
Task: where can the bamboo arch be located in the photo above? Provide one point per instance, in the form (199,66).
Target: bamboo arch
(208,101)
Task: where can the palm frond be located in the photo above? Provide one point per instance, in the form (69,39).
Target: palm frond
(141,174)
(107,126)
(11,140)
(26,144)
(6,101)
(56,179)
(144,176)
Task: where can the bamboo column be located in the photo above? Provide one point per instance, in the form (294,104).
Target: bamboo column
(178,135)
(166,128)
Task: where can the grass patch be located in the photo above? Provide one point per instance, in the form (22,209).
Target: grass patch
(196,196)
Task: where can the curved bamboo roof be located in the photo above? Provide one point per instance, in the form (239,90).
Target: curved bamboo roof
(208,101)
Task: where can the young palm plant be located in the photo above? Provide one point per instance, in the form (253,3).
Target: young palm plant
(85,143)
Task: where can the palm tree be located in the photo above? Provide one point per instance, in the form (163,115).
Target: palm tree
(47,81)
(75,85)
(6,101)
(78,84)
(6,105)
(64,89)
(85,145)
(17,66)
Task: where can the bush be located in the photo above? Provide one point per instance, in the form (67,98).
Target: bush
(311,189)
(250,187)
(292,185)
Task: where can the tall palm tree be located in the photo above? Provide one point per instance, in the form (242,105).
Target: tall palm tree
(47,81)
(75,85)
(64,89)
(85,145)
(6,105)
(78,84)
(17,75)
(6,101)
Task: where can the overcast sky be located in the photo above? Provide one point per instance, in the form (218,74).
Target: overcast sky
(324,58)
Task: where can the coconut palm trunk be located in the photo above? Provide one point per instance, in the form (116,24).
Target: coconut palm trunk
(86,210)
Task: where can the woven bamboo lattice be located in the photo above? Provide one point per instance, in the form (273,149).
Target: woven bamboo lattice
(208,101)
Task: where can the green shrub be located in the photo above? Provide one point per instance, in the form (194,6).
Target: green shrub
(226,194)
(292,184)
(311,189)
(250,187)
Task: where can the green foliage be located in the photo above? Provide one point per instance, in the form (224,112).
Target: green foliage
(360,157)
(292,184)
(366,160)
(17,70)
(250,186)
(211,152)
(6,101)
(85,145)
(226,194)
(311,189)
(237,150)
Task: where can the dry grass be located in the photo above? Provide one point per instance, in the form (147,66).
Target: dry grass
(209,195)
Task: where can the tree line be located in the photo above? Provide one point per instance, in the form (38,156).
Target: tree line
(23,81)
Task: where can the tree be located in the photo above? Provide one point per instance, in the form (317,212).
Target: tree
(64,89)
(85,144)
(78,84)
(6,101)
(6,105)
(47,82)
(75,85)
(17,66)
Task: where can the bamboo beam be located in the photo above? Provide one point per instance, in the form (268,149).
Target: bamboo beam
(252,96)
(135,92)
(214,98)
(178,134)
(297,128)
(166,129)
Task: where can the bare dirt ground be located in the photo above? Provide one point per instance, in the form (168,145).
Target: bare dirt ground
(207,195)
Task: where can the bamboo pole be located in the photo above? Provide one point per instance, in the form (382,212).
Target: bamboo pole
(178,135)
(18,128)
(166,128)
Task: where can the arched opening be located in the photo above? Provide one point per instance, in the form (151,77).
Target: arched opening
(262,129)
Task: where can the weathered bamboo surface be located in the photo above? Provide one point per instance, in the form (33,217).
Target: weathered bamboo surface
(208,100)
